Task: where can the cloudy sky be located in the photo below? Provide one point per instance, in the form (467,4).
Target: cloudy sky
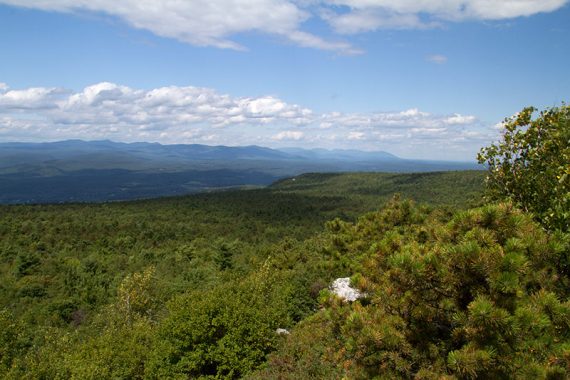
(420,79)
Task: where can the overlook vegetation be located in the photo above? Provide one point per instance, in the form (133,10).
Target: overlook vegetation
(482,293)
(456,286)
(531,165)
(192,285)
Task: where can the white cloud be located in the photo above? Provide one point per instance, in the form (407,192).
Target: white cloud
(201,115)
(496,10)
(369,15)
(369,19)
(215,22)
(388,120)
(31,98)
(111,108)
(459,119)
(312,41)
(98,94)
(428,131)
(412,112)
(3,87)
(201,22)
(499,126)
(289,135)
(437,58)
(458,9)
(356,136)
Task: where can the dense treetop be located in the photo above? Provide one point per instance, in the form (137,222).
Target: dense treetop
(531,165)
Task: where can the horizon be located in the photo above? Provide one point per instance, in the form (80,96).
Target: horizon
(428,81)
(281,149)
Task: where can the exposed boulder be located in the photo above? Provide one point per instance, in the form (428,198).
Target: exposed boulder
(341,287)
(281,331)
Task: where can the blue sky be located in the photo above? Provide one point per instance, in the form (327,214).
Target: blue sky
(420,79)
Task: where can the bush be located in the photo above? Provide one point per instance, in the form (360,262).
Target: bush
(531,165)
(481,296)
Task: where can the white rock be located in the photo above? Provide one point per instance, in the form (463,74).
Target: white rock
(281,331)
(341,287)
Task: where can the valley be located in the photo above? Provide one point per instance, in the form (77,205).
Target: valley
(99,171)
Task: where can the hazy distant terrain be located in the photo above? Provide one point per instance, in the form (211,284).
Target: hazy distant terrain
(76,170)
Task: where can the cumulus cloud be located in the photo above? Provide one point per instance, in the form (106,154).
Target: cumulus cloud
(387,120)
(459,119)
(369,15)
(371,18)
(138,114)
(31,98)
(459,8)
(215,22)
(189,114)
(202,22)
(289,135)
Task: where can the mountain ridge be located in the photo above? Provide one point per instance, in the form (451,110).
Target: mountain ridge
(71,170)
(221,151)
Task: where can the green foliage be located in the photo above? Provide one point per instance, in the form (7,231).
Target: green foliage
(182,287)
(477,294)
(113,350)
(26,263)
(134,296)
(224,333)
(13,340)
(531,165)
(224,256)
(459,189)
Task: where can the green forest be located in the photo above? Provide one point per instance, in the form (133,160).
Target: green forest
(462,275)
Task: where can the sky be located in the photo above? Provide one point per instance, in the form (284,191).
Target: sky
(428,79)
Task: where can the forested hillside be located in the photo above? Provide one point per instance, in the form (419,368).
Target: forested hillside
(436,188)
(111,290)
(454,282)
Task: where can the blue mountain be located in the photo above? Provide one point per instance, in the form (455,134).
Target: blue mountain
(76,170)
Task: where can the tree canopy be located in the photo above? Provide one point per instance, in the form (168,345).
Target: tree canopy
(531,164)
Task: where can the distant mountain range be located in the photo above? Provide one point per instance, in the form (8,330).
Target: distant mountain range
(340,155)
(76,170)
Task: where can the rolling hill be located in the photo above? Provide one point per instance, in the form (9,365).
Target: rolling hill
(95,171)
